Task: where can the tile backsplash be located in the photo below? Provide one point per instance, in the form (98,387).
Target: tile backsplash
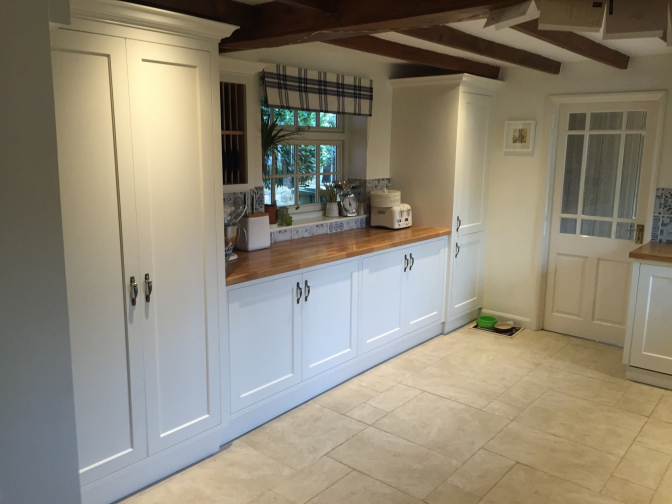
(297,231)
(255,194)
(661,231)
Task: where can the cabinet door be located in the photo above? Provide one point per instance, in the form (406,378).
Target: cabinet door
(652,337)
(423,299)
(265,339)
(329,317)
(171,112)
(101,251)
(471,171)
(466,274)
(380,316)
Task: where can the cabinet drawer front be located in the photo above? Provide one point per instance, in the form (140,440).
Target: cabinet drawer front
(424,290)
(380,316)
(265,340)
(329,317)
(652,337)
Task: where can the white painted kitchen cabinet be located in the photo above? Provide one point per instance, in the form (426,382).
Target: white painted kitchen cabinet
(466,274)
(423,288)
(651,336)
(264,339)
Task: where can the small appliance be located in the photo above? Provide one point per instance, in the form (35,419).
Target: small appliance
(348,205)
(388,211)
(255,232)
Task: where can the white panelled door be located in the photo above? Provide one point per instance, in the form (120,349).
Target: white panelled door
(423,299)
(602,191)
(101,251)
(171,112)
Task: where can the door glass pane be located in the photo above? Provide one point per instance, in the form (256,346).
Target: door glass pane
(306,160)
(284,159)
(307,118)
(636,121)
(632,164)
(625,231)
(329,178)
(568,226)
(601,229)
(601,171)
(328,161)
(606,120)
(307,190)
(573,158)
(577,122)
(284,191)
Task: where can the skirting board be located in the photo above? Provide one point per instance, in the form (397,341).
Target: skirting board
(649,377)
(152,469)
(258,414)
(523,322)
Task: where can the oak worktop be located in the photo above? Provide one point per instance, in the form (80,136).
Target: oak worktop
(653,251)
(293,255)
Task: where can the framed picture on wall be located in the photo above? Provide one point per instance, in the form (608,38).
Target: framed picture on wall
(519,137)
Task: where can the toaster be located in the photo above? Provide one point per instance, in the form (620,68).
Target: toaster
(396,217)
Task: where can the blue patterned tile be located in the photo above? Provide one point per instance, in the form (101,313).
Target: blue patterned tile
(320,228)
(350,224)
(667,202)
(665,234)
(302,232)
(655,228)
(362,222)
(280,235)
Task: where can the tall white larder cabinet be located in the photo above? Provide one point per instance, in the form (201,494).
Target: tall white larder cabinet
(441,128)
(141,200)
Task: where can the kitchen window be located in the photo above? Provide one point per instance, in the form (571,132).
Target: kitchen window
(296,170)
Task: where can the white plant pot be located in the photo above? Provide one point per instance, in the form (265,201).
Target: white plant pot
(331,210)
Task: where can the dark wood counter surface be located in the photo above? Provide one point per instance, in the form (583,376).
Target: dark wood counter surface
(294,255)
(653,251)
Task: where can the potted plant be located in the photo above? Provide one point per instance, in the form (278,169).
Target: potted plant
(331,197)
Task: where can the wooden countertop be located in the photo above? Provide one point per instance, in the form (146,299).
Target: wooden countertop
(653,251)
(293,255)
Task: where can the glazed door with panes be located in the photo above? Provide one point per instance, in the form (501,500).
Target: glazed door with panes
(602,195)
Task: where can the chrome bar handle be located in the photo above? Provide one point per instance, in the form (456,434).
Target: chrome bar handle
(307,289)
(299,292)
(412,263)
(457,246)
(148,287)
(134,291)
(405,263)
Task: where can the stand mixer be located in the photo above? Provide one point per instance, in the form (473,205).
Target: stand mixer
(232,215)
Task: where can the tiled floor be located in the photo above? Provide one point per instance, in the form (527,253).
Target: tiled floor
(465,418)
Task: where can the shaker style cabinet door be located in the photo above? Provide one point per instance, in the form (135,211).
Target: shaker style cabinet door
(651,337)
(381,291)
(423,302)
(466,274)
(173,149)
(265,339)
(329,317)
(101,250)
(471,170)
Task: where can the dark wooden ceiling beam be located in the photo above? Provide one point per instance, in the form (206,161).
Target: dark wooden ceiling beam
(225,11)
(575,43)
(456,39)
(274,26)
(328,6)
(380,47)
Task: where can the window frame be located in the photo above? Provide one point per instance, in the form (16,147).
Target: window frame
(318,129)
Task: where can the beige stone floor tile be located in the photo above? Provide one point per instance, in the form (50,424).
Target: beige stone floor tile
(270,498)
(635,406)
(448,493)
(578,385)
(393,397)
(595,345)
(664,409)
(357,488)
(627,492)
(503,409)
(460,388)
(453,429)
(589,423)
(522,394)
(571,461)
(175,490)
(384,376)
(644,393)
(345,396)
(485,365)
(663,495)
(543,350)
(238,474)
(656,435)
(503,345)
(418,358)
(305,484)
(439,346)
(605,365)
(554,336)
(481,472)
(525,485)
(397,462)
(303,435)
(643,466)
(366,413)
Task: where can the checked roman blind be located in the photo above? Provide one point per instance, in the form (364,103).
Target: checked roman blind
(297,88)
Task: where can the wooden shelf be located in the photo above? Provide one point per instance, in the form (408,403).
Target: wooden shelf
(234,143)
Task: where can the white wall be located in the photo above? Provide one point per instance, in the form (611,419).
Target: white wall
(38,446)
(518,184)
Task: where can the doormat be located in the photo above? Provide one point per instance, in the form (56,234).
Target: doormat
(510,333)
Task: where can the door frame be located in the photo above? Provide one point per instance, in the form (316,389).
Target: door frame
(552,112)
